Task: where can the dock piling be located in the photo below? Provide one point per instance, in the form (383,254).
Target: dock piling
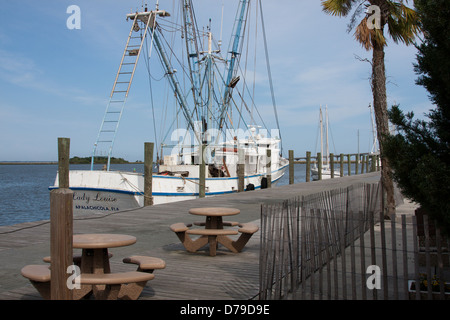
(241,170)
(269,168)
(202,173)
(148,169)
(319,165)
(349,165)
(291,166)
(308,166)
(332,165)
(61,226)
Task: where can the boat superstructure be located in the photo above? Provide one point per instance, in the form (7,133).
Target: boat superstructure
(209,128)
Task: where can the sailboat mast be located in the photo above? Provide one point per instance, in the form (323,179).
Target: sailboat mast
(321,133)
(326,124)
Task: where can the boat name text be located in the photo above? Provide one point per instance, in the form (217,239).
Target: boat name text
(98,197)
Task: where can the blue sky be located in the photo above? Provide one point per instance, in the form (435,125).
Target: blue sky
(55,82)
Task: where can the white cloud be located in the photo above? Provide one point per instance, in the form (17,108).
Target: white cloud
(18,69)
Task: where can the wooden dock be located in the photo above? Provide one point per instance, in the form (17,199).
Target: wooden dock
(227,276)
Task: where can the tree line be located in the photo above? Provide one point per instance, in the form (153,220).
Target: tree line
(98,160)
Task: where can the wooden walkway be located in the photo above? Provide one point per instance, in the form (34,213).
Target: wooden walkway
(187,275)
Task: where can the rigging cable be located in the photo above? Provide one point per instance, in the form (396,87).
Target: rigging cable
(254,58)
(270,75)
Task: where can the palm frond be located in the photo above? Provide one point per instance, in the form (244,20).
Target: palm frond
(403,24)
(402,21)
(339,8)
(369,37)
(356,14)
(362,34)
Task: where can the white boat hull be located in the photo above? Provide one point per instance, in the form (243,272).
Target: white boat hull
(112,191)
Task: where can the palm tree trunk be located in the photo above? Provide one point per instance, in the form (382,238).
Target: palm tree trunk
(381,118)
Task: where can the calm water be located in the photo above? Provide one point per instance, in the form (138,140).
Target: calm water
(24,194)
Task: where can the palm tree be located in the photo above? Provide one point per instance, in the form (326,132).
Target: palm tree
(402,26)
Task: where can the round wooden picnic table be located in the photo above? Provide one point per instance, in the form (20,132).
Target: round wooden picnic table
(214,215)
(102,240)
(95,256)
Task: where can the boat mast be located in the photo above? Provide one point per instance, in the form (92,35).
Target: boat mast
(234,53)
(207,117)
(173,81)
(190,32)
(326,124)
(210,78)
(321,134)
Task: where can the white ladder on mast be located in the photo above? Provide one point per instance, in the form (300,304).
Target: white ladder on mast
(119,93)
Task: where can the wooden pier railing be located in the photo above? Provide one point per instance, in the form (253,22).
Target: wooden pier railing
(356,163)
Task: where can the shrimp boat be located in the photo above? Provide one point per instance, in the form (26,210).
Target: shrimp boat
(207,110)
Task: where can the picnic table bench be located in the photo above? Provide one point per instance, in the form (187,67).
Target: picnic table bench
(145,263)
(96,276)
(121,285)
(39,276)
